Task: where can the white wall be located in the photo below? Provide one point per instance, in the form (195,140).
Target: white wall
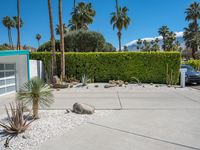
(21,68)
(36,69)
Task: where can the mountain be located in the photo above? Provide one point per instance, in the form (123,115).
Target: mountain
(132,46)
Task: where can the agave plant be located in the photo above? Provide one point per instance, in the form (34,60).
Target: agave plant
(85,80)
(16,121)
(135,80)
(36,93)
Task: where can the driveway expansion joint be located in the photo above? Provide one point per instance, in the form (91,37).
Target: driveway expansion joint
(144,136)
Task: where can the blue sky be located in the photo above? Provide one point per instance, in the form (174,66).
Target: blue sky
(146,15)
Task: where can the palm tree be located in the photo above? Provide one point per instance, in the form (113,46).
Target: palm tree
(62,48)
(65,29)
(82,16)
(120,20)
(18,24)
(163,31)
(9,24)
(139,43)
(36,93)
(38,37)
(192,15)
(53,51)
(191,38)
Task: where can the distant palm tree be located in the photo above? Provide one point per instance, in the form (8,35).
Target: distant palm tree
(62,47)
(120,20)
(53,48)
(192,38)
(163,31)
(65,29)
(35,92)
(139,43)
(18,24)
(9,24)
(82,16)
(38,37)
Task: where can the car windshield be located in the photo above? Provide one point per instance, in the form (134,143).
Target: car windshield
(189,68)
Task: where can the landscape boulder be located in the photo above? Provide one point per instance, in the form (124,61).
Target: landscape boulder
(81,108)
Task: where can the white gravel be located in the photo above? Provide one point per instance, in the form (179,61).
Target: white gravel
(52,123)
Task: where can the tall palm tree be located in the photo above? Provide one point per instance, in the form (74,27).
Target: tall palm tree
(62,48)
(18,24)
(53,47)
(65,29)
(163,31)
(192,15)
(35,92)
(9,24)
(38,37)
(120,20)
(82,16)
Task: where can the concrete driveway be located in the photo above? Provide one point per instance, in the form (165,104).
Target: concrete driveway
(147,118)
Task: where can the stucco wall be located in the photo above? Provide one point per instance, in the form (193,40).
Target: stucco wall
(21,68)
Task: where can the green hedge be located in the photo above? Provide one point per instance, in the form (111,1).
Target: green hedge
(146,66)
(194,63)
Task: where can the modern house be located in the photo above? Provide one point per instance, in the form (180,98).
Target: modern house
(14,70)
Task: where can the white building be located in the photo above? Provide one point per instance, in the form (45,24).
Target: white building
(14,70)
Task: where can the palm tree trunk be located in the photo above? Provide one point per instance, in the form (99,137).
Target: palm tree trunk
(53,53)
(61,42)
(117,7)
(9,37)
(38,43)
(35,109)
(74,6)
(119,38)
(18,27)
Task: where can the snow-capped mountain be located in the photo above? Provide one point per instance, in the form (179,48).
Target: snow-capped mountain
(132,46)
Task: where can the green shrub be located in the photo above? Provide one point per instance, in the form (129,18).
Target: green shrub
(81,41)
(194,63)
(145,66)
(46,47)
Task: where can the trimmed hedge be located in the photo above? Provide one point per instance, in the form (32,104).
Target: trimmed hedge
(146,66)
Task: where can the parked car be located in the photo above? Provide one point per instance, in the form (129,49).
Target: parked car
(192,75)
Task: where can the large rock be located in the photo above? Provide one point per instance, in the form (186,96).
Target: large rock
(56,80)
(81,108)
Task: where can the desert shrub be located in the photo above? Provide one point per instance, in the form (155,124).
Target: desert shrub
(145,66)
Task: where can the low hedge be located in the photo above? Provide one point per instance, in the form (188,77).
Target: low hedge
(146,66)
(194,63)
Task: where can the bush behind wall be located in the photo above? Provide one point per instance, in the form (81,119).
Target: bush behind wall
(147,67)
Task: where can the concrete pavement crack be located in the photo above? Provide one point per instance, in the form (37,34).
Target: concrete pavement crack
(120,103)
(189,98)
(144,136)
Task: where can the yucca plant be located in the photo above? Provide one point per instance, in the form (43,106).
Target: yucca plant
(36,93)
(17,122)
(85,80)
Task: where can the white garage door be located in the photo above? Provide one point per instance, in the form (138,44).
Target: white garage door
(7,78)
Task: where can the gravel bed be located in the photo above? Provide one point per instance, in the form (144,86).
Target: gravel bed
(52,123)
